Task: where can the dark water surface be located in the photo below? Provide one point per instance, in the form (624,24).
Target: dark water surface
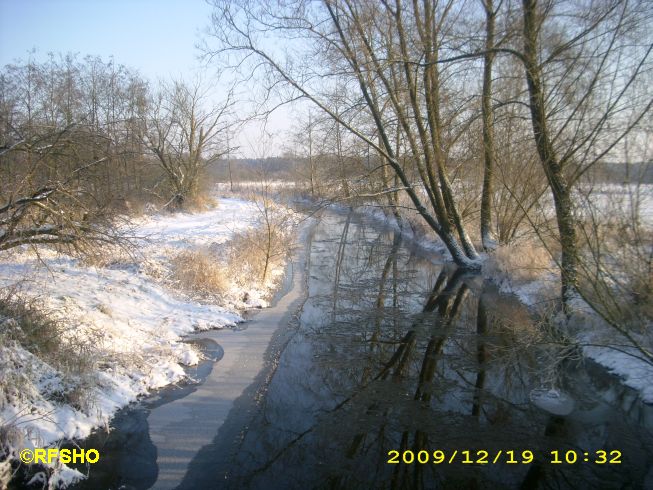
(128,454)
(393,352)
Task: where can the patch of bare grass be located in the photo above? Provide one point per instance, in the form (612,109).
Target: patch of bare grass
(53,342)
(199,273)
(519,262)
(251,260)
(200,202)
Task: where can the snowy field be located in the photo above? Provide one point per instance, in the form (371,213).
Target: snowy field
(132,324)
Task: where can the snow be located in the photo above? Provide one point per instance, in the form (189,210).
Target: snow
(130,322)
(135,325)
(624,362)
(597,340)
(62,478)
(543,290)
(621,198)
(186,229)
(552,401)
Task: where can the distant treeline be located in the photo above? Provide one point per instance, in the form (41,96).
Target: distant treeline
(291,167)
(618,173)
(274,168)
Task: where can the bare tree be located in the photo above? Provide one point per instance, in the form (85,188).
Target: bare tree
(37,210)
(489,152)
(580,72)
(304,139)
(384,58)
(185,136)
(311,159)
(64,148)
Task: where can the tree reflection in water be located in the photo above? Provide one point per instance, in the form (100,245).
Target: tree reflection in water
(393,352)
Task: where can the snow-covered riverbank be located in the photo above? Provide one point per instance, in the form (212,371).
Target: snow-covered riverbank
(538,287)
(122,315)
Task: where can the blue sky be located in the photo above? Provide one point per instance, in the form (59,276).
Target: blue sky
(155,36)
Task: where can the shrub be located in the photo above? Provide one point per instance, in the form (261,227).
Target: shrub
(519,262)
(200,202)
(108,254)
(254,255)
(616,260)
(199,273)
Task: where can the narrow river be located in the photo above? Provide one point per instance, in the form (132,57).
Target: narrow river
(373,348)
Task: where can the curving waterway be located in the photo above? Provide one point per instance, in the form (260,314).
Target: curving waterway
(375,352)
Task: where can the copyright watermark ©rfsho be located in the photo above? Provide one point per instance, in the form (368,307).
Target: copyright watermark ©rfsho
(65,456)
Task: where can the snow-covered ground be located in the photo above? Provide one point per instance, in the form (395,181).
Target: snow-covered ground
(622,199)
(123,314)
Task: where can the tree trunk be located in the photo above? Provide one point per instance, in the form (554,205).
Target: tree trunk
(341,161)
(231,180)
(560,188)
(488,129)
(311,164)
